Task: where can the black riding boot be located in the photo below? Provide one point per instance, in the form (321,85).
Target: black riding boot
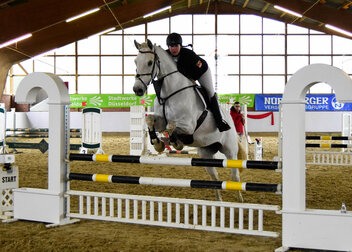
(221,124)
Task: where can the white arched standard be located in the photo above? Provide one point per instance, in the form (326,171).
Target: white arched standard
(302,227)
(47,205)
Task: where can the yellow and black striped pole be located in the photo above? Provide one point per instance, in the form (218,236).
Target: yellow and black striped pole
(225,163)
(328,138)
(200,184)
(317,145)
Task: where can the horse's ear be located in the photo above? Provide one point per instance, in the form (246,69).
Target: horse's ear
(137,45)
(150,44)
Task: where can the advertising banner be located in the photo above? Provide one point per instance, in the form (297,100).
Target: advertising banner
(110,100)
(314,102)
(127,100)
(247,99)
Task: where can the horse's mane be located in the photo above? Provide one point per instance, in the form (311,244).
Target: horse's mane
(163,54)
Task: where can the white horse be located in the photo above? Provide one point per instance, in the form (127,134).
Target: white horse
(180,110)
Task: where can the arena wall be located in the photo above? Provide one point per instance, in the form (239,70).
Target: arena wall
(120,121)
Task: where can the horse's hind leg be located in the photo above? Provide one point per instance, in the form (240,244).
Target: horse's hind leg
(205,153)
(175,142)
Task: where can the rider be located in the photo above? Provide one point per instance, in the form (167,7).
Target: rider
(196,68)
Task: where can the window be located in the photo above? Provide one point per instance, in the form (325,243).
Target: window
(89,46)
(273,84)
(273,44)
(111,84)
(249,54)
(297,44)
(251,84)
(111,45)
(274,65)
(320,44)
(228,24)
(251,65)
(204,24)
(250,24)
(88,84)
(158,27)
(251,44)
(88,65)
(181,24)
(111,65)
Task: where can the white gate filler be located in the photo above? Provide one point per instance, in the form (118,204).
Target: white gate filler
(301,227)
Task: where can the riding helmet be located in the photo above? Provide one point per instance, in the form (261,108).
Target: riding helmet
(174,39)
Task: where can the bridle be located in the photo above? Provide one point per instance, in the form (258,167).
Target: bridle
(155,62)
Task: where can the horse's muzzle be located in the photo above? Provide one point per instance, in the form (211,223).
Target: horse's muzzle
(138,91)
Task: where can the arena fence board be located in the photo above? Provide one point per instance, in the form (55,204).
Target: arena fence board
(235,218)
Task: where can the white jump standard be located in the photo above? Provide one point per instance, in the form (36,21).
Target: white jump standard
(302,227)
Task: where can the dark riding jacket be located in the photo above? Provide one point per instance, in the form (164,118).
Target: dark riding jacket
(190,64)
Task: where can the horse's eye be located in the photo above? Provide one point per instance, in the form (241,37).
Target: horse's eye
(150,63)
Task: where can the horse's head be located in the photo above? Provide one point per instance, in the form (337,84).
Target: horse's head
(145,67)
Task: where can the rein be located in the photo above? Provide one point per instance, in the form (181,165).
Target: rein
(162,101)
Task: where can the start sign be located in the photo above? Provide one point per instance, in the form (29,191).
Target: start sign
(9,179)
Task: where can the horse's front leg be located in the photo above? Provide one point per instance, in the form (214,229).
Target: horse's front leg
(152,122)
(175,142)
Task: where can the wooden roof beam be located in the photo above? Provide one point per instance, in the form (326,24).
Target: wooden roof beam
(318,12)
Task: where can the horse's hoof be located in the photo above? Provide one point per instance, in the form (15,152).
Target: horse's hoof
(159,147)
(170,127)
(178,145)
(150,121)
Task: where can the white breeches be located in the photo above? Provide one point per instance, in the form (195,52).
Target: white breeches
(206,81)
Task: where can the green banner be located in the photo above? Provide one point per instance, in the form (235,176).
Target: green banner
(128,100)
(247,99)
(110,100)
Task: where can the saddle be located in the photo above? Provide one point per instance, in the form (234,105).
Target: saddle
(203,95)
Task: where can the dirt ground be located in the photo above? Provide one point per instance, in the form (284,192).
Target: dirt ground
(327,188)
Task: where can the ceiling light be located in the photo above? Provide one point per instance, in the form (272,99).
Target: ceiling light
(157,11)
(13,41)
(287,11)
(338,30)
(82,15)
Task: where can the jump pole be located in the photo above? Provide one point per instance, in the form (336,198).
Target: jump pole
(317,145)
(35,130)
(328,137)
(224,163)
(200,184)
